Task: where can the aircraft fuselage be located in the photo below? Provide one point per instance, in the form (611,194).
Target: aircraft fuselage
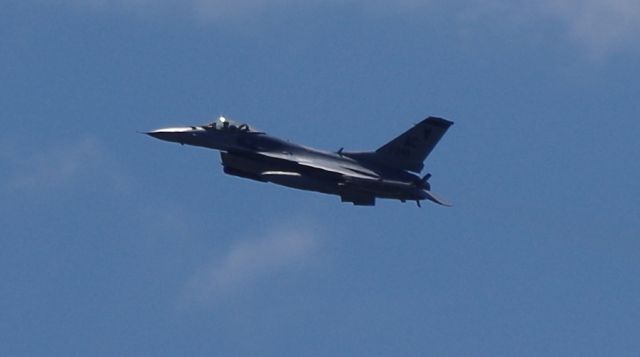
(359,178)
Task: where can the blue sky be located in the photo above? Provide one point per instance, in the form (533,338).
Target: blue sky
(117,244)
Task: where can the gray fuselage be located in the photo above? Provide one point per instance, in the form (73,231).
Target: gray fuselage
(355,177)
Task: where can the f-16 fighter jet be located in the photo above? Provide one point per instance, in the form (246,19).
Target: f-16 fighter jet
(357,177)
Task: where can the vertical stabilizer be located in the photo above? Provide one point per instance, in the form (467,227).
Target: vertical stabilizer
(410,149)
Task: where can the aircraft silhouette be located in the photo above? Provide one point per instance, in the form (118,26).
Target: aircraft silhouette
(357,177)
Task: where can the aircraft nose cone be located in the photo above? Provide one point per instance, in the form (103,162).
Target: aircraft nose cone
(162,135)
(178,134)
(154,134)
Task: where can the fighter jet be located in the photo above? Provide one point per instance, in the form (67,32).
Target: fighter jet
(357,177)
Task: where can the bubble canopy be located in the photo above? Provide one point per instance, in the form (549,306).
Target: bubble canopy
(223,123)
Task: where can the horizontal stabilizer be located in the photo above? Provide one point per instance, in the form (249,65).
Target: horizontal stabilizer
(439,200)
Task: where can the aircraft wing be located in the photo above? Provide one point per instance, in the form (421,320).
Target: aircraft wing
(325,165)
(341,169)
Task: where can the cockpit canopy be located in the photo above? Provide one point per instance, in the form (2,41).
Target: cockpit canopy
(225,124)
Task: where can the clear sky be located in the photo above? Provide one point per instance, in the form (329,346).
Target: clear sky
(116,244)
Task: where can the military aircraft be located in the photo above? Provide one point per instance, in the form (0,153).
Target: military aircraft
(357,177)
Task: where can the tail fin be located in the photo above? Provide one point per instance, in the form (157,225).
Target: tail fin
(409,150)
